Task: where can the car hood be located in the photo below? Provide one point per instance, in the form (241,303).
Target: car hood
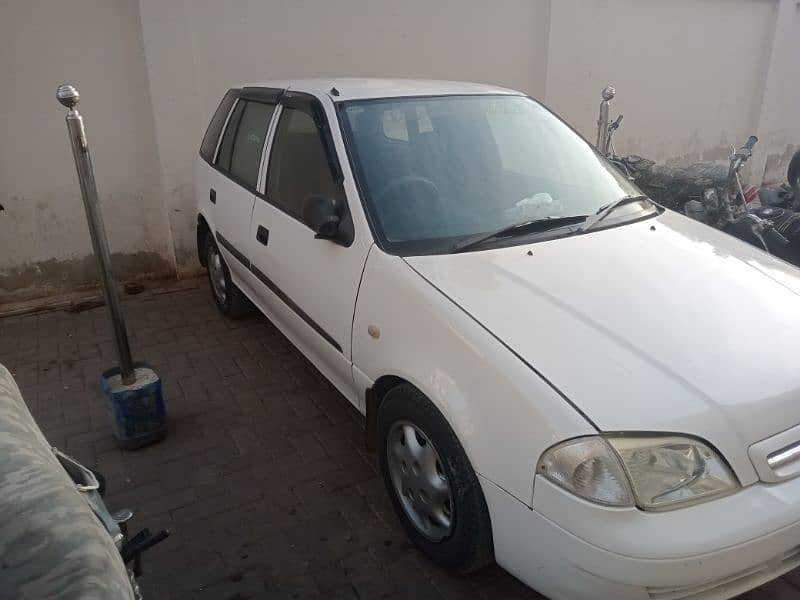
(660,325)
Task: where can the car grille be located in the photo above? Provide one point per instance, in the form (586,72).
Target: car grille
(732,585)
(777,458)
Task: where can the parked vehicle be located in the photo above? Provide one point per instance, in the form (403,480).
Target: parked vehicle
(57,538)
(712,194)
(555,372)
(781,205)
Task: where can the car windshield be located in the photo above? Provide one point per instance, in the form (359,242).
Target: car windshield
(438,170)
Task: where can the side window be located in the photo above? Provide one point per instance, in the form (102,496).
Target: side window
(246,154)
(226,145)
(298,165)
(211,137)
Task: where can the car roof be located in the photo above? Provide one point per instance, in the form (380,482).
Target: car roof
(361,89)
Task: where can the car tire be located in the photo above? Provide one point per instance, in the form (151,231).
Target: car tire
(452,528)
(229,299)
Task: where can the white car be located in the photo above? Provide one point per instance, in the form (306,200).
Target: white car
(601,395)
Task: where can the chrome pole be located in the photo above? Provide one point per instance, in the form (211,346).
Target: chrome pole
(602,123)
(69,97)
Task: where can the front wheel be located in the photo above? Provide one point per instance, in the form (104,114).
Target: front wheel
(431,483)
(229,299)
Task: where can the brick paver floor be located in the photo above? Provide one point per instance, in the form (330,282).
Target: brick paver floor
(263,481)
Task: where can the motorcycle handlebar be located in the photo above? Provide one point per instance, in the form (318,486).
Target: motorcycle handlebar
(739,157)
(751,141)
(774,238)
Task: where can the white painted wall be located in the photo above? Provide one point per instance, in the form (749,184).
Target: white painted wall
(779,113)
(689,73)
(692,76)
(44,238)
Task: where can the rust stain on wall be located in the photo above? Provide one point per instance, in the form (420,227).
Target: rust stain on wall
(44,278)
(774,168)
(719,153)
(188,262)
(777,164)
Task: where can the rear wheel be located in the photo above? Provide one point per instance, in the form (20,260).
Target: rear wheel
(229,299)
(431,483)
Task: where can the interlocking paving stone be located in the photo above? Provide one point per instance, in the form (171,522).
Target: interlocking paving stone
(263,480)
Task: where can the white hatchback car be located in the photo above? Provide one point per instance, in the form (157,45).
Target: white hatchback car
(556,373)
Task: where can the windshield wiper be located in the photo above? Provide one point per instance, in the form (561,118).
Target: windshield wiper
(536,225)
(606,210)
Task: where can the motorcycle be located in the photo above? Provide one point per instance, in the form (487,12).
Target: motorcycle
(58,538)
(713,194)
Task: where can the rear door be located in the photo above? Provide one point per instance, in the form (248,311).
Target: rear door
(312,283)
(237,160)
(207,175)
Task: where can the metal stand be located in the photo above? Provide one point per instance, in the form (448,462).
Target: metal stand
(69,97)
(602,123)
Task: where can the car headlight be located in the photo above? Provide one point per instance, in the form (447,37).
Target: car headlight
(589,468)
(652,472)
(670,471)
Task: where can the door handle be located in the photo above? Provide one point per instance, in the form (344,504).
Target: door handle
(262,234)
(212,195)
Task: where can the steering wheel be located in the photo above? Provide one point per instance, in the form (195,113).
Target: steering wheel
(410,216)
(407,180)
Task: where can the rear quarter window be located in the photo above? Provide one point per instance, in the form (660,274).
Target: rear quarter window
(209,144)
(226,145)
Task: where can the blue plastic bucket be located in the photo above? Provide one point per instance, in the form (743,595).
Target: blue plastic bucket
(138,415)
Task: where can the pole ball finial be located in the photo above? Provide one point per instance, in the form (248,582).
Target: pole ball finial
(608,92)
(68,95)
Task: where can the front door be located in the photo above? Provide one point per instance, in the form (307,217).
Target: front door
(313,283)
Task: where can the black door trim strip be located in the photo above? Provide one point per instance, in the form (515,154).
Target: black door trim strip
(276,290)
(293,305)
(232,249)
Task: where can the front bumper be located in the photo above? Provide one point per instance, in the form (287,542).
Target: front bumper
(569,548)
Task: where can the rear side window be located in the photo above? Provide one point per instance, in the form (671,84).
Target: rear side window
(215,127)
(226,145)
(298,165)
(246,154)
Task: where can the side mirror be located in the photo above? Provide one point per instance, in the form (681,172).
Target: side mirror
(326,217)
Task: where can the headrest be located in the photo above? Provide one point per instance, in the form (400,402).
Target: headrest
(370,122)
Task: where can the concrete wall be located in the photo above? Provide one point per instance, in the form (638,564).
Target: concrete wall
(689,73)
(779,113)
(692,75)
(44,240)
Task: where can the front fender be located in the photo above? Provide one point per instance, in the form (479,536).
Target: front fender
(503,413)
